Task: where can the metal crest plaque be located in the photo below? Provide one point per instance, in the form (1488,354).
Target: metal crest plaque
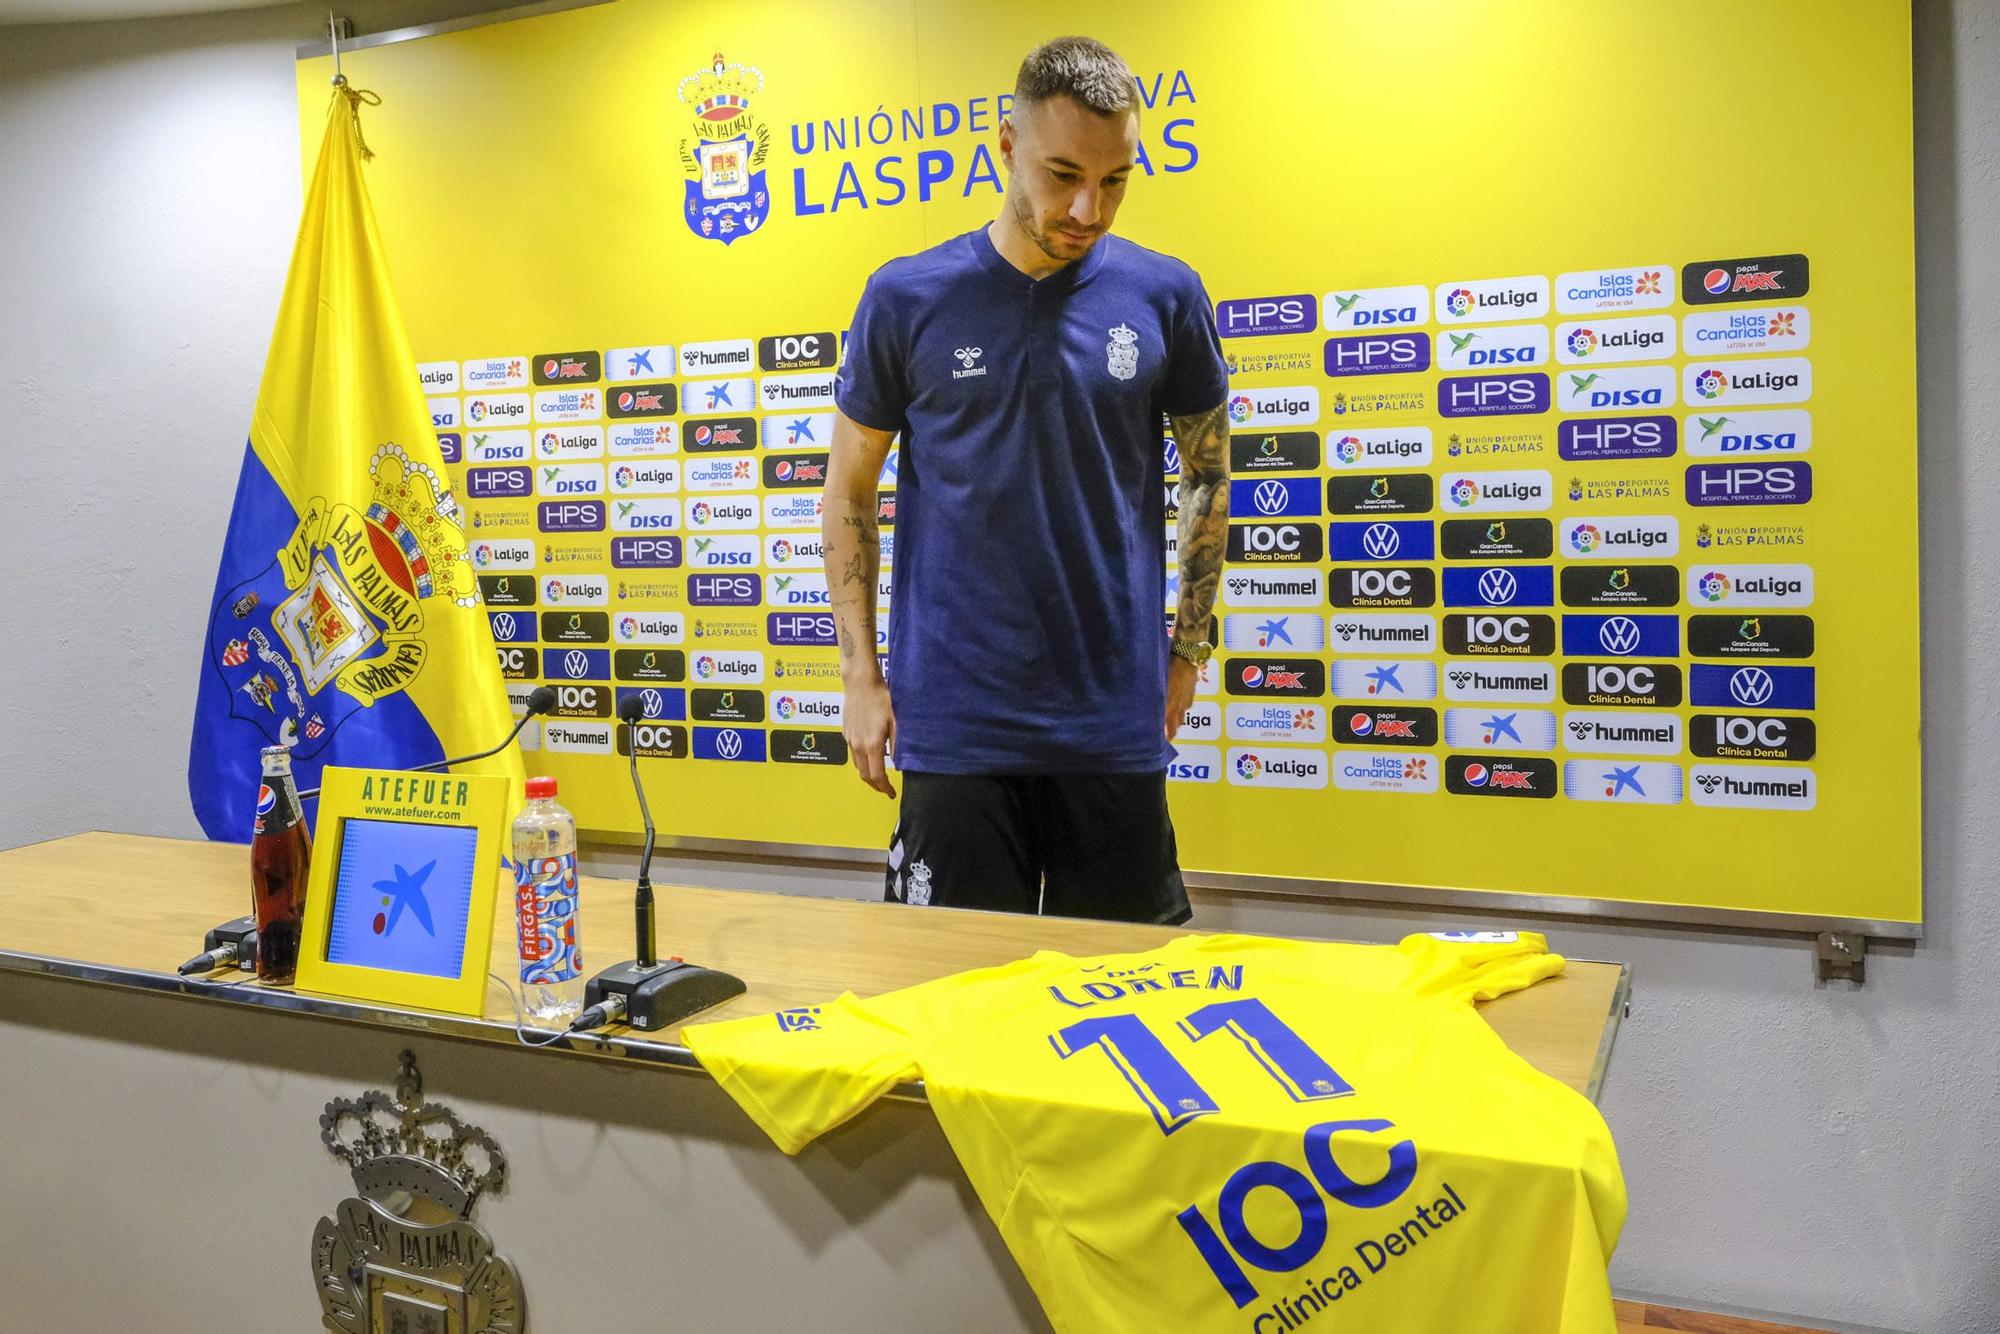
(404,1256)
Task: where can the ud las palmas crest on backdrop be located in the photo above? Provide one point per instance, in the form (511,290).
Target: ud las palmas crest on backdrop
(346,621)
(724,156)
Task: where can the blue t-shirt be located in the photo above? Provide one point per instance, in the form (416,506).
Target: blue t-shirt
(1027,629)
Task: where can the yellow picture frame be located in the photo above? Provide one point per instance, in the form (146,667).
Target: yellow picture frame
(414,814)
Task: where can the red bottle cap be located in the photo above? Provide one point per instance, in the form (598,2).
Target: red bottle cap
(541,787)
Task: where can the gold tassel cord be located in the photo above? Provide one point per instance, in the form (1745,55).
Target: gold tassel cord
(356,99)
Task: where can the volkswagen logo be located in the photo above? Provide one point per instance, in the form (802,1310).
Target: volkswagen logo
(1618,634)
(1271,498)
(655,702)
(729,743)
(576,663)
(1750,686)
(503,628)
(1380,541)
(1496,587)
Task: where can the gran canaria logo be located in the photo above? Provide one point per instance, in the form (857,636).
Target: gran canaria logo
(724,156)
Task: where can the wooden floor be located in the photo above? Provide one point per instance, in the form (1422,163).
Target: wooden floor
(1637,1318)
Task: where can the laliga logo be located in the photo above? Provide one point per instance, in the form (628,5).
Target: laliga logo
(624,476)
(1584,538)
(1582,343)
(477,410)
(704,666)
(552,590)
(628,627)
(783,706)
(1715,585)
(1709,384)
(700,512)
(549,442)
(1348,449)
(482,554)
(1239,408)
(1249,766)
(1464,492)
(1458,301)
(781,551)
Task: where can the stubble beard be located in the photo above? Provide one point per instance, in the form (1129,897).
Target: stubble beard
(1024,217)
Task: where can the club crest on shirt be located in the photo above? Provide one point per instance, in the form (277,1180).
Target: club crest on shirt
(1122,353)
(917,888)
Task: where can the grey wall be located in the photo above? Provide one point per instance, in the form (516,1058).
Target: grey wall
(1820,1152)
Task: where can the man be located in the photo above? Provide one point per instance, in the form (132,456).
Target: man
(1027,366)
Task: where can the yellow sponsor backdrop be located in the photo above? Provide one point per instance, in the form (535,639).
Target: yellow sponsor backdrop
(531,189)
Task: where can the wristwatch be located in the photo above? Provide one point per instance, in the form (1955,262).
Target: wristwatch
(1197,653)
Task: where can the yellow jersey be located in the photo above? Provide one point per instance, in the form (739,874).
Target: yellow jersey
(1235,1133)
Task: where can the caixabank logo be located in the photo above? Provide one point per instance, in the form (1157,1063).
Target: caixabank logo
(723,153)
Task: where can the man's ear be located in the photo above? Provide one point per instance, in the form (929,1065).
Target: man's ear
(1007,143)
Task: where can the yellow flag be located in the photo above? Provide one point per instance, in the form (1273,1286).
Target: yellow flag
(346,620)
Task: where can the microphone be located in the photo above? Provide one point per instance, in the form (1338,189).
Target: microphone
(630,710)
(540,701)
(644,992)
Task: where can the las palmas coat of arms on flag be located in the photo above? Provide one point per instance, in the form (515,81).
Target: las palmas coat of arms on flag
(346,620)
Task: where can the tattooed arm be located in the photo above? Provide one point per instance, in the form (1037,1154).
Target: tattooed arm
(1204,534)
(850,532)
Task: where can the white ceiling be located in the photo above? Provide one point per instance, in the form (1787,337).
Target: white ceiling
(81,11)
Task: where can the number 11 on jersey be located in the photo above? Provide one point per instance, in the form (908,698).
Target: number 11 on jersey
(1169,1090)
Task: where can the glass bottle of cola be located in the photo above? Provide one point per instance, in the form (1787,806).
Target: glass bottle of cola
(280,850)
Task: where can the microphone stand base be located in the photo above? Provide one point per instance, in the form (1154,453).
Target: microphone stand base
(661,995)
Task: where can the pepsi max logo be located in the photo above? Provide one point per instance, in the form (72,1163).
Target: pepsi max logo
(1275,676)
(644,400)
(1495,776)
(266,799)
(1760,278)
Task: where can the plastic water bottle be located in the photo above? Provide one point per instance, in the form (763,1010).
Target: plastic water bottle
(545,908)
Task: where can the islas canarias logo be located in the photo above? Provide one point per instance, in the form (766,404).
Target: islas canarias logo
(724,152)
(335,623)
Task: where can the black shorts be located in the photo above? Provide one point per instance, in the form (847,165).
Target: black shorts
(1068,845)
